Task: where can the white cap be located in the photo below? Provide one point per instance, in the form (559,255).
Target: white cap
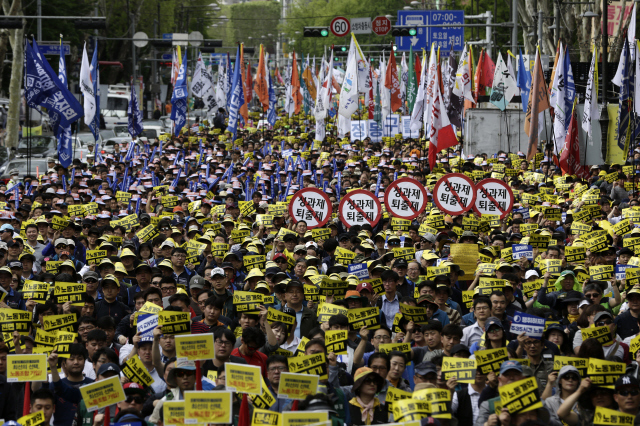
(217,271)
(530,273)
(167,243)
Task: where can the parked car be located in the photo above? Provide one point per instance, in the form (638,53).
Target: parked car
(107,134)
(87,137)
(156,125)
(121,131)
(38,165)
(41,146)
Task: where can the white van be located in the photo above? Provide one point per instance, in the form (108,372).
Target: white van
(115,113)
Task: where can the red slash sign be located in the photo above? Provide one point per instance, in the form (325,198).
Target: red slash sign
(394,198)
(352,201)
(301,198)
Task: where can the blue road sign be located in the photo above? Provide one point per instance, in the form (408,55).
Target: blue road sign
(54,49)
(167,57)
(444,37)
(167,36)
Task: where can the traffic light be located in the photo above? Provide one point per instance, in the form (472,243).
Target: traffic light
(162,44)
(208,46)
(343,48)
(316,31)
(90,24)
(403,31)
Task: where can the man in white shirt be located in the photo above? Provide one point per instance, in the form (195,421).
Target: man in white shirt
(482,311)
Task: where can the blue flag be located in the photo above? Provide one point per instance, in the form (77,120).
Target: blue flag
(227,71)
(179,98)
(569,88)
(134,114)
(237,98)
(625,103)
(65,147)
(524,83)
(271,113)
(45,89)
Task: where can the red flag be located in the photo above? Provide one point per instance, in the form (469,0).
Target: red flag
(392,83)
(570,157)
(538,102)
(371,104)
(261,81)
(417,65)
(488,70)
(244,418)
(478,87)
(441,134)
(278,76)
(248,94)
(244,109)
(295,85)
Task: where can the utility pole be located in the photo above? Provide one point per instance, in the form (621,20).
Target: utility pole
(39,11)
(604,114)
(514,29)
(133,47)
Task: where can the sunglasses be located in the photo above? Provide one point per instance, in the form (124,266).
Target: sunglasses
(90,281)
(165,229)
(634,392)
(135,399)
(185,373)
(604,322)
(61,246)
(592,295)
(281,261)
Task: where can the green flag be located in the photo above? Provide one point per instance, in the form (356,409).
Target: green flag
(412,84)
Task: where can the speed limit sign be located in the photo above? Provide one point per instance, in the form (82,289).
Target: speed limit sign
(340,26)
(311,205)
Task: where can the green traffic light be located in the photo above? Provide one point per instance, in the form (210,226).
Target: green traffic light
(412,31)
(324,33)
(335,59)
(344,48)
(395,47)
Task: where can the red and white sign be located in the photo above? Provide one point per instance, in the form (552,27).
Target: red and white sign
(381,25)
(312,206)
(405,198)
(340,26)
(454,194)
(359,207)
(493,196)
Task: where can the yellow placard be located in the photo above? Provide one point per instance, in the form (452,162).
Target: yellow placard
(70,292)
(194,347)
(336,341)
(521,396)
(439,401)
(150,308)
(601,334)
(465,256)
(491,359)
(34,419)
(203,407)
(266,399)
(103,393)
(265,418)
(135,370)
(173,413)
(606,417)
(410,409)
(464,370)
(297,418)
(297,386)
(174,322)
(605,373)
(309,364)
(580,363)
(243,378)
(26,368)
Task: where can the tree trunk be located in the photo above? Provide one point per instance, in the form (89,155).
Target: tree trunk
(16,38)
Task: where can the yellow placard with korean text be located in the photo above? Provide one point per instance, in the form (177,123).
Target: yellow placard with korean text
(521,396)
(297,386)
(243,378)
(103,393)
(26,368)
(194,347)
(201,407)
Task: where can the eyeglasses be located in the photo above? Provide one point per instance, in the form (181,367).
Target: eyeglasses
(381,337)
(185,373)
(135,399)
(604,322)
(163,289)
(634,392)
(592,295)
(61,246)
(224,342)
(278,368)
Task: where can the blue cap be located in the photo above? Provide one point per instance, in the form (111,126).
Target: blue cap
(510,365)
(492,321)
(6,226)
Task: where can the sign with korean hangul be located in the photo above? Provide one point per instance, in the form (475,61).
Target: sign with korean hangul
(439,401)
(361,25)
(359,270)
(16,320)
(174,322)
(493,196)
(103,393)
(243,378)
(454,193)
(69,292)
(601,334)
(417,314)
(265,400)
(364,317)
(336,341)
(605,373)
(63,322)
(522,250)
(135,371)
(327,310)
(489,360)
(311,205)
(359,207)
(36,291)
(246,301)
(405,198)
(607,417)
(601,272)
(202,407)
(145,324)
(443,37)
(520,396)
(464,370)
(580,363)
(194,347)
(531,325)
(620,271)
(26,368)
(314,364)
(576,254)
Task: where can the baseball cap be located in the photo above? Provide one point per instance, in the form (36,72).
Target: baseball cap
(364,287)
(196,282)
(91,274)
(510,365)
(459,348)
(531,273)
(627,381)
(429,237)
(602,314)
(105,368)
(352,294)
(133,387)
(425,368)
(217,271)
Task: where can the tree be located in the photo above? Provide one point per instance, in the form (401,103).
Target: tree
(16,38)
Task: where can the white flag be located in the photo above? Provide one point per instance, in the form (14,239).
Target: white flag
(418,106)
(462,88)
(617,79)
(86,86)
(404,79)
(199,83)
(510,67)
(221,97)
(558,103)
(210,93)
(631,33)
(504,86)
(385,93)
(349,90)
(591,111)
(636,99)
(430,87)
